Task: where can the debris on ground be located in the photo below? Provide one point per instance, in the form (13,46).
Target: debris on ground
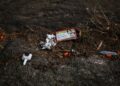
(50,42)
(26,57)
(66,34)
(109,54)
(35,19)
(2,36)
(75,51)
(62,35)
(100,45)
(67,54)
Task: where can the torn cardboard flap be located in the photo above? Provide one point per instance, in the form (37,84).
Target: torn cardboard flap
(67,34)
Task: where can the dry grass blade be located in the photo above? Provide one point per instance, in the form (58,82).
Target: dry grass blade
(100,45)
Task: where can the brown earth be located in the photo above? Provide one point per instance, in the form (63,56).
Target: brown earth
(25,23)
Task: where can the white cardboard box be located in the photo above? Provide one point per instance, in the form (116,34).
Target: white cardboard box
(66,34)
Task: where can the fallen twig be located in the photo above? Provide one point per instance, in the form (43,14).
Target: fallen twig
(100,44)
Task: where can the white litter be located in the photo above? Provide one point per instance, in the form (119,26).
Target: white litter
(62,35)
(50,42)
(26,58)
(66,34)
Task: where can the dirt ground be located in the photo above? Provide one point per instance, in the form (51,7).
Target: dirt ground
(25,23)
